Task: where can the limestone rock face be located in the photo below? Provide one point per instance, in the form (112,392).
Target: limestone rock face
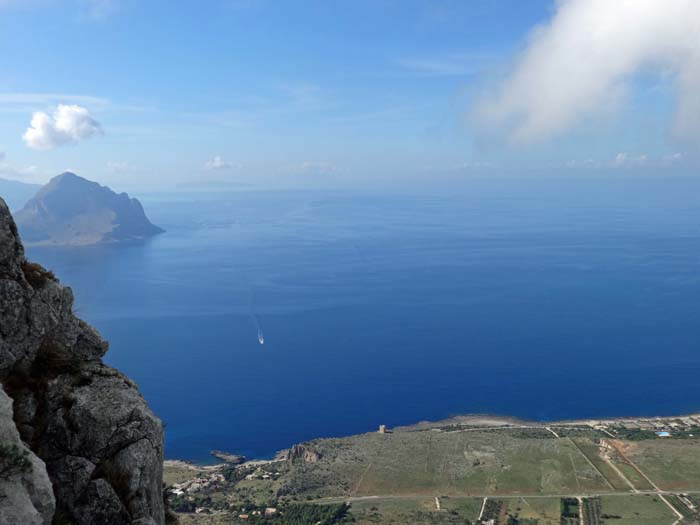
(303,453)
(26,496)
(102,446)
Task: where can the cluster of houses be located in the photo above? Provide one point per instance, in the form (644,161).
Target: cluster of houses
(198,484)
(215,479)
(261,474)
(662,426)
(268,513)
(685,499)
(244,515)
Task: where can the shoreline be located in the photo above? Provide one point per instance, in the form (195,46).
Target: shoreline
(476,421)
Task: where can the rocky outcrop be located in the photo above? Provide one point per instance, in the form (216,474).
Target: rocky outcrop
(227,457)
(102,446)
(26,496)
(303,453)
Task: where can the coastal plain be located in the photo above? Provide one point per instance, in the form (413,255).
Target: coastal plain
(466,470)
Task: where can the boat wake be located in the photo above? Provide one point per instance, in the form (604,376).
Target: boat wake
(256,321)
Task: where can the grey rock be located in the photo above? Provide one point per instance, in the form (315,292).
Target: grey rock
(102,446)
(303,453)
(26,495)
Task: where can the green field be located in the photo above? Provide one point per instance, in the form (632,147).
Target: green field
(637,510)
(460,463)
(591,450)
(615,510)
(546,511)
(671,464)
(632,474)
(420,511)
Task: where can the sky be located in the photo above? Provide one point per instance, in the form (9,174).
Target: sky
(280,94)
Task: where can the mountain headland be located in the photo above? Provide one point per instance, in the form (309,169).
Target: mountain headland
(74,211)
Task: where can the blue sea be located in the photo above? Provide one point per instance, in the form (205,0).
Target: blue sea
(540,299)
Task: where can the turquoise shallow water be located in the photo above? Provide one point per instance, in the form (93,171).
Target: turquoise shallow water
(541,300)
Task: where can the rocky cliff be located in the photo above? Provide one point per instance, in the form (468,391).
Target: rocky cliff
(26,495)
(75,419)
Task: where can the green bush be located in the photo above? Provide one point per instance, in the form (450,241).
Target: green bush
(304,513)
(13,460)
(53,359)
(36,275)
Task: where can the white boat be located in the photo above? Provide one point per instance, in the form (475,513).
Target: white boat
(261,337)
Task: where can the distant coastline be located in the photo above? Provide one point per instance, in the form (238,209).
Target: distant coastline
(480,468)
(609,425)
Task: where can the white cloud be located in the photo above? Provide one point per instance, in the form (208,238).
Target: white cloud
(317,168)
(576,163)
(68,124)
(673,159)
(580,64)
(624,160)
(217,163)
(2,156)
(630,160)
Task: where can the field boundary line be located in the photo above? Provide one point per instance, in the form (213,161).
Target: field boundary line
(634,466)
(580,511)
(362,478)
(674,509)
(553,432)
(483,507)
(605,478)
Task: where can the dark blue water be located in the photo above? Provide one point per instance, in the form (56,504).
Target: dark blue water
(542,300)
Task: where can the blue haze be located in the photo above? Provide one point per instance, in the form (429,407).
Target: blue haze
(542,300)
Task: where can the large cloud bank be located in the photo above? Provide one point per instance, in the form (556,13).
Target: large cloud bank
(68,124)
(579,65)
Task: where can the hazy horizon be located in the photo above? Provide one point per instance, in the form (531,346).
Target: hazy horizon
(252,93)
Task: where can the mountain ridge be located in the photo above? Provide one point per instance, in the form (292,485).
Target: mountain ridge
(74,211)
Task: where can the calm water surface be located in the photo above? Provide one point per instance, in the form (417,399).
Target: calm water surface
(541,300)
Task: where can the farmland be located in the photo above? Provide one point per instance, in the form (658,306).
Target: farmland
(463,471)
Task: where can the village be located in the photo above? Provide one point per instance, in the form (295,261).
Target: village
(662,427)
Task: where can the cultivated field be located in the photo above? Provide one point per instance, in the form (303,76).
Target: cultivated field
(456,463)
(585,473)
